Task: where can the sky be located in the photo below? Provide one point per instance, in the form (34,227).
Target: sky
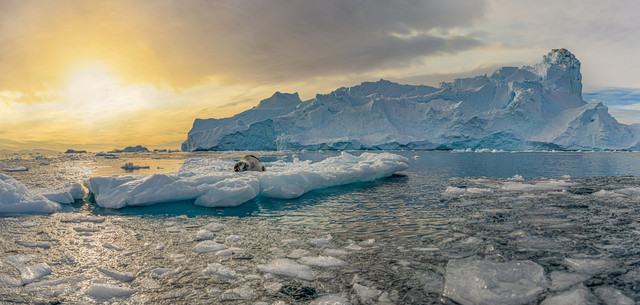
(98,75)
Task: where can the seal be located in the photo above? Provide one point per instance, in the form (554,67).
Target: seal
(249,163)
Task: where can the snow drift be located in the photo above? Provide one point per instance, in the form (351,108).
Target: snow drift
(213,183)
(530,108)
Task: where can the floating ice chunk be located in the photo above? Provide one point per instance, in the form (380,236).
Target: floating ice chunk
(334,252)
(210,184)
(106,292)
(332,299)
(234,239)
(164,272)
(289,269)
(213,227)
(323,261)
(298,253)
(453,191)
(67,193)
(366,294)
(204,235)
(120,276)
(322,241)
(588,266)
(209,246)
(485,282)
(272,287)
(9,281)
(354,247)
(220,272)
(244,292)
(432,282)
(574,296)
(33,273)
(174,229)
(544,186)
(224,253)
(19,259)
(230,192)
(612,296)
(149,284)
(86,229)
(16,198)
(562,280)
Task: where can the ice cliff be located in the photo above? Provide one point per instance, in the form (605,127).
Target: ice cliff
(536,107)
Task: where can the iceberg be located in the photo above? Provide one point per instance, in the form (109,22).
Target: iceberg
(536,107)
(213,183)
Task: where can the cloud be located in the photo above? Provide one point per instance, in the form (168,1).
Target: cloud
(186,43)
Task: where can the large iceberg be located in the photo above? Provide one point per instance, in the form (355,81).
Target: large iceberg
(213,183)
(536,107)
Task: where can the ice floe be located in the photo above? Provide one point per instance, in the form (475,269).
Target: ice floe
(212,183)
(106,292)
(118,275)
(16,198)
(485,282)
(209,246)
(29,274)
(289,269)
(220,272)
(323,261)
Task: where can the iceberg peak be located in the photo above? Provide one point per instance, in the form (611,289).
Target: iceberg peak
(560,71)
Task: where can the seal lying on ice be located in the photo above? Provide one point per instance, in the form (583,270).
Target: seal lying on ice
(249,163)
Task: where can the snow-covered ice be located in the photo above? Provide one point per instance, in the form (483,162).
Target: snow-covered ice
(212,183)
(16,198)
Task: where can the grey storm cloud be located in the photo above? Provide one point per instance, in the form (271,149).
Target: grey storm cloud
(185,43)
(284,40)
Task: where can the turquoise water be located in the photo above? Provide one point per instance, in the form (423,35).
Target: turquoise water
(407,204)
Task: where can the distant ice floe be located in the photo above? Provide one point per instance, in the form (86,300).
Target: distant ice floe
(212,183)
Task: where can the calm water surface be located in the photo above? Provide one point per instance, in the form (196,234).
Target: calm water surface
(407,204)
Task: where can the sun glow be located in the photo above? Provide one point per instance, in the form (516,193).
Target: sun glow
(97,92)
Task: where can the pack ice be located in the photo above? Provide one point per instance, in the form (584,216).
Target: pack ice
(212,183)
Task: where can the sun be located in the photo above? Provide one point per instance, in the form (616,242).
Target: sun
(97,91)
